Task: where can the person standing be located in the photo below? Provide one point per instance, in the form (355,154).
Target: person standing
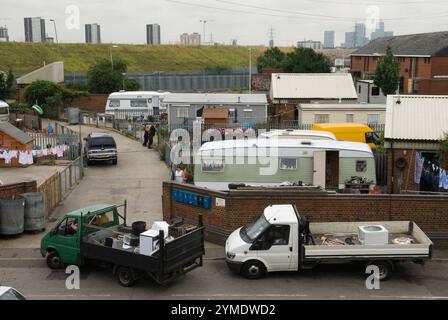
(146,135)
(152,133)
(179,175)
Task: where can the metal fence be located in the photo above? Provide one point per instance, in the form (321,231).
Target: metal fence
(57,187)
(192,81)
(60,137)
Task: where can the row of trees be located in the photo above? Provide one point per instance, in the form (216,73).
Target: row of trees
(300,60)
(303,60)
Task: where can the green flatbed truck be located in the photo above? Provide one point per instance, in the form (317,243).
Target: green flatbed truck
(63,245)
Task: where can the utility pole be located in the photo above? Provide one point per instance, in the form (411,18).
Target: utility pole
(250,70)
(271,37)
(203,27)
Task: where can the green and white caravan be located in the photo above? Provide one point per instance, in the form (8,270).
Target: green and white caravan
(272,162)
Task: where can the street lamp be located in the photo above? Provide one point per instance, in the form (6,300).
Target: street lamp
(56,36)
(124,76)
(111,58)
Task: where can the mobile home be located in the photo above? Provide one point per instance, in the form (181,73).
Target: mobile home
(4,111)
(135,102)
(271,162)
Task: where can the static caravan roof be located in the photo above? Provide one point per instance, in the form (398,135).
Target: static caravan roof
(313,86)
(134,94)
(287,143)
(413,117)
(341,106)
(215,98)
(297,134)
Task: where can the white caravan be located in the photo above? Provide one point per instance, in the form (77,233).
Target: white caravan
(135,102)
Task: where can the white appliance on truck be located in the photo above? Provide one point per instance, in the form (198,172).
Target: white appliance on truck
(281,240)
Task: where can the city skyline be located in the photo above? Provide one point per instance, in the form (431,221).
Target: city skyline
(306,20)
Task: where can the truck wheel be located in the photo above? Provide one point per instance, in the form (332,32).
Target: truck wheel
(125,277)
(54,261)
(253,269)
(384,267)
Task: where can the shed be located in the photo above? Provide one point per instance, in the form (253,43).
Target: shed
(11,138)
(216,116)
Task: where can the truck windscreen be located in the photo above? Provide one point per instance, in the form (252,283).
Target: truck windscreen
(251,232)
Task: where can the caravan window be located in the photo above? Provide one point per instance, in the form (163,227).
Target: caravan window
(138,103)
(212,165)
(288,164)
(361,166)
(4,110)
(114,103)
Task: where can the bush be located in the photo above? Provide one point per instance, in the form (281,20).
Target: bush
(18,107)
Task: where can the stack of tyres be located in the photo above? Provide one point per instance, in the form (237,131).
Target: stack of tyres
(12,216)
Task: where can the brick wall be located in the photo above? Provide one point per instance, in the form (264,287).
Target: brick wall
(433,86)
(93,103)
(8,191)
(429,212)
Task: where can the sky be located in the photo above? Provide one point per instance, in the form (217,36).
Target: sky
(247,21)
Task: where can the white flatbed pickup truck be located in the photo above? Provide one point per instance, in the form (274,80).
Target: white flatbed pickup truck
(281,240)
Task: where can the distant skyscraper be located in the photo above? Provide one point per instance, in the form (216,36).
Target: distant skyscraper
(380,33)
(153,34)
(93,33)
(328,39)
(360,35)
(234,42)
(193,39)
(35,29)
(4,37)
(310,44)
(349,40)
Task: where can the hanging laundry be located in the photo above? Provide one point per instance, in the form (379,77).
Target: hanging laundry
(419,160)
(59,151)
(23,158)
(30,157)
(443,179)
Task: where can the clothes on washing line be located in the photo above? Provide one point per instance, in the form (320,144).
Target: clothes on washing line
(443,179)
(419,160)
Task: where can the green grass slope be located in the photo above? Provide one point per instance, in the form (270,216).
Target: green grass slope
(25,57)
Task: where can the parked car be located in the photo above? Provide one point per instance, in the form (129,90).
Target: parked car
(100,147)
(8,293)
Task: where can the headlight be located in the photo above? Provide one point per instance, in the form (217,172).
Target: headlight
(230,255)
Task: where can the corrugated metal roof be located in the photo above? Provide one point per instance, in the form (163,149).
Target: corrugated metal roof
(416,117)
(313,86)
(215,98)
(16,133)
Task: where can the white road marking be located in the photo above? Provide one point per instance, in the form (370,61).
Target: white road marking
(411,297)
(238,295)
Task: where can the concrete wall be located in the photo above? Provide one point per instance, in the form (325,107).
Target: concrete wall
(429,212)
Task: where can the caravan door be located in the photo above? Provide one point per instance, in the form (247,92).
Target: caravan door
(319,169)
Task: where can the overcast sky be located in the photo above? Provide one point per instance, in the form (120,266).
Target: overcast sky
(248,21)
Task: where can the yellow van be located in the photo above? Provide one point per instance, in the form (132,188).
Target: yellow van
(347,131)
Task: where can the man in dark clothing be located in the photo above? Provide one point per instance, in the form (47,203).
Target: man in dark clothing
(146,135)
(152,133)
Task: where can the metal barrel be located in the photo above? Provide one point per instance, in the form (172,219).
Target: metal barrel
(34,211)
(12,215)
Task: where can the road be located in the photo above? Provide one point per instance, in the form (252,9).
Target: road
(136,178)
(25,270)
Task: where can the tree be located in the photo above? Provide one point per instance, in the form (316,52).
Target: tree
(103,78)
(305,60)
(131,85)
(387,74)
(271,58)
(51,96)
(3,85)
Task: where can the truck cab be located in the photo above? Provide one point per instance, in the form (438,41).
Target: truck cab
(61,246)
(267,244)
